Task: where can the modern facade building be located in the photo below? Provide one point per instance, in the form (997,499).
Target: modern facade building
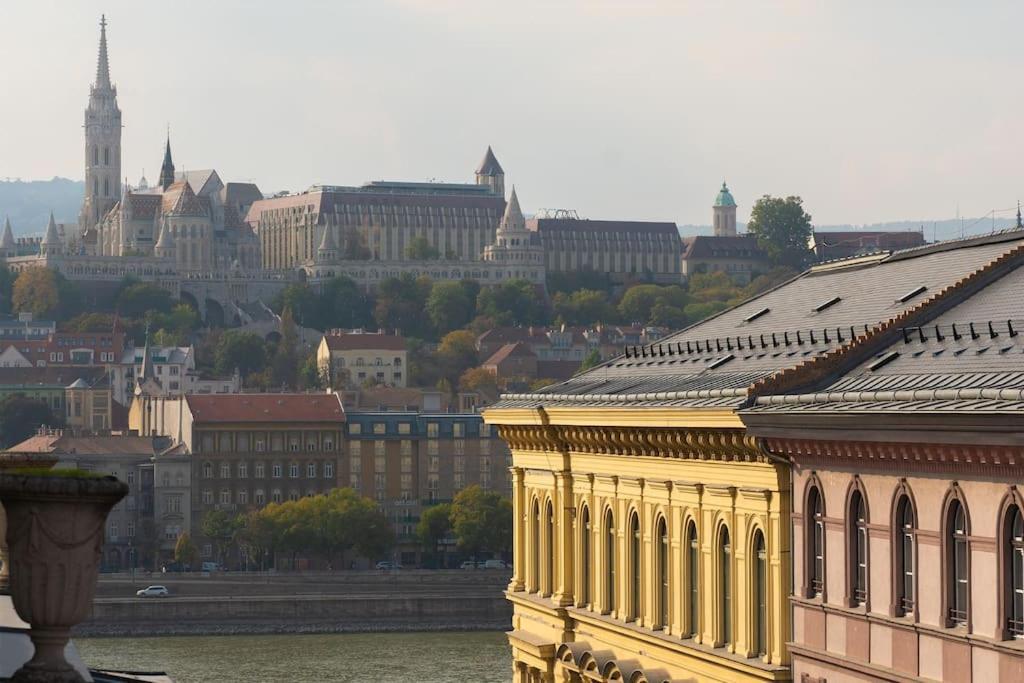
(653,530)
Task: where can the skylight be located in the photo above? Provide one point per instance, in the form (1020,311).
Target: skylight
(911,294)
(884,360)
(827,304)
(756,315)
(718,362)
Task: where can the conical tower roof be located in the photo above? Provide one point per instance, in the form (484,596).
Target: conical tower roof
(513,220)
(165,240)
(490,165)
(7,241)
(52,239)
(167,168)
(103,62)
(327,242)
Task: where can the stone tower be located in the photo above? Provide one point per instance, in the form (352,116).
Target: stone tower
(102,143)
(491,174)
(724,213)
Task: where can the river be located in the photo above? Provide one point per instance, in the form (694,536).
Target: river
(470,657)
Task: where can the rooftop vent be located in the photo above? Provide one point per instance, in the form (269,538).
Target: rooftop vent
(756,315)
(719,362)
(827,304)
(911,294)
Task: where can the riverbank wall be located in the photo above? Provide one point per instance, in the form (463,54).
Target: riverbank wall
(309,603)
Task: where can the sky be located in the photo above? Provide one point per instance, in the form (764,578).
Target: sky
(870,111)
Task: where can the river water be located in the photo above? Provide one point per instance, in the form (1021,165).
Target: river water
(473,657)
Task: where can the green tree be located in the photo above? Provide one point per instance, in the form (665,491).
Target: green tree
(21,417)
(584,307)
(572,281)
(516,302)
(401,304)
(185,550)
(482,521)
(455,354)
(242,350)
(138,299)
(698,311)
(89,322)
(481,381)
(302,302)
(221,528)
(284,363)
(6,289)
(342,303)
(434,525)
(420,249)
(783,229)
(35,291)
(452,305)
(639,301)
(591,360)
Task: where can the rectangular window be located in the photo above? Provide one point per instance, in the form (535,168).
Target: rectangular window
(407,463)
(355,465)
(243,496)
(405,447)
(432,430)
(404,428)
(432,448)
(355,428)
(225,470)
(355,481)
(407,482)
(379,428)
(276,471)
(130,530)
(379,463)
(328,470)
(355,448)
(207,497)
(293,470)
(225,496)
(485,447)
(458,430)
(434,464)
(311,470)
(242,470)
(460,446)
(260,473)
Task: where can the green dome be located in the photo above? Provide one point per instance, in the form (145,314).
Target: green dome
(724,197)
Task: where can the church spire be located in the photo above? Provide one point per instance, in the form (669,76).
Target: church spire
(103,63)
(167,169)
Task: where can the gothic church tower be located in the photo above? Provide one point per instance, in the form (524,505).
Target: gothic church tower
(102,143)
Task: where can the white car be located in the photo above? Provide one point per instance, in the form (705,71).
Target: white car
(468,564)
(153,592)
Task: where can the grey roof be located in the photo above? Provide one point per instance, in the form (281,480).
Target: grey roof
(787,325)
(971,357)
(489,164)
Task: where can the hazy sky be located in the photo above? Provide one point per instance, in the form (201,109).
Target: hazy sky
(870,111)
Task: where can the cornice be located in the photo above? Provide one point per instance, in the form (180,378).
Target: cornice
(663,442)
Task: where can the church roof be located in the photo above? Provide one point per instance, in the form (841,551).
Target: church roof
(203,181)
(182,201)
(144,206)
(489,165)
(7,241)
(103,62)
(724,197)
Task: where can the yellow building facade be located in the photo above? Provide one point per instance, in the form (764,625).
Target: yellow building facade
(645,553)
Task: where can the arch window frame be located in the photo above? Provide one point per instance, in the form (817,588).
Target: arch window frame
(534,583)
(725,593)
(904,552)
(1011,539)
(662,565)
(610,557)
(692,540)
(585,559)
(759,590)
(814,541)
(635,550)
(549,548)
(858,574)
(956,562)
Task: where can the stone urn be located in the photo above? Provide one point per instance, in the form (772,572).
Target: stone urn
(55,524)
(10,461)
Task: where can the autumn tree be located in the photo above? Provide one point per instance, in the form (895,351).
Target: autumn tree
(35,291)
(220,527)
(480,380)
(185,551)
(482,521)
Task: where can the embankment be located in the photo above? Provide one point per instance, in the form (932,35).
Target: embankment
(301,603)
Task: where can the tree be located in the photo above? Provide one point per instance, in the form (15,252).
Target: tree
(242,350)
(401,304)
(284,363)
(591,360)
(481,381)
(434,525)
(21,417)
(302,302)
(220,527)
(6,288)
(141,298)
(452,305)
(512,303)
(35,291)
(420,249)
(482,521)
(638,303)
(571,281)
(783,229)
(90,322)
(455,354)
(584,307)
(185,550)
(342,303)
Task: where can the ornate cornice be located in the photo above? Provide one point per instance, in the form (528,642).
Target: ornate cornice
(692,444)
(902,456)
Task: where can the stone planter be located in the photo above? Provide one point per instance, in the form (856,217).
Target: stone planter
(55,530)
(11,461)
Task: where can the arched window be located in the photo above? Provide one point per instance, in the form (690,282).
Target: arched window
(1013,547)
(549,548)
(95,155)
(634,567)
(760,595)
(662,578)
(692,576)
(535,573)
(609,549)
(858,554)
(95,186)
(585,557)
(106,156)
(814,525)
(106,187)
(958,575)
(725,577)
(906,592)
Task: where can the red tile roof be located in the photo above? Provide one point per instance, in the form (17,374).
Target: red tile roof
(517,350)
(207,408)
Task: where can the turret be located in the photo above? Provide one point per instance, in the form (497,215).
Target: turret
(327,252)
(491,174)
(167,168)
(724,213)
(8,247)
(164,247)
(51,244)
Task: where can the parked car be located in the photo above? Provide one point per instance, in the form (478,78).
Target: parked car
(212,567)
(388,565)
(468,564)
(153,592)
(495,564)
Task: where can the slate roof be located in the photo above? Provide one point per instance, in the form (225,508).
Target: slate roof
(726,246)
(211,408)
(814,313)
(51,376)
(969,358)
(489,164)
(554,226)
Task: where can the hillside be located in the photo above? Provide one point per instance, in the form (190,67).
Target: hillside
(28,203)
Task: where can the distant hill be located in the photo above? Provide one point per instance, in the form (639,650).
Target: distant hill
(28,203)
